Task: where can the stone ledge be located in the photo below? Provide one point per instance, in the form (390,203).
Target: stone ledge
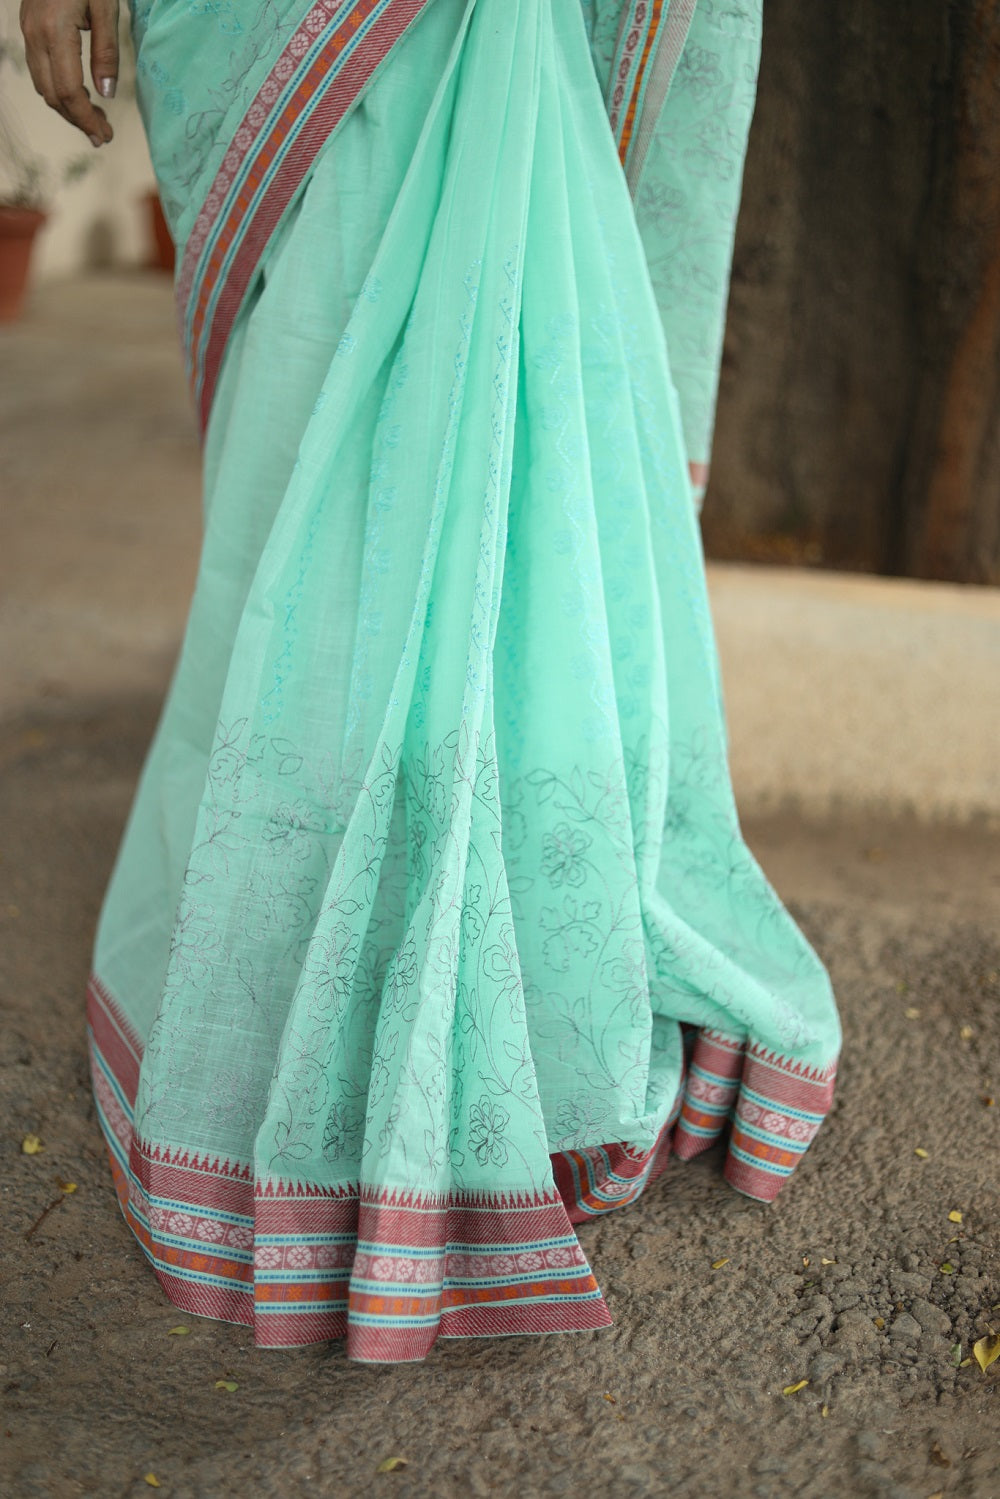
(845,691)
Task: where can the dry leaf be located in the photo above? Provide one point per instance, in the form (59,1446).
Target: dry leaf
(987,1351)
(986,1100)
(178,1332)
(391,1464)
(805,1261)
(152,1480)
(966,1033)
(938,1458)
(31,1145)
(923,1154)
(792,1389)
(879,1322)
(226,1384)
(911,1013)
(938,1495)
(954,1216)
(611,1399)
(825,1261)
(718,1264)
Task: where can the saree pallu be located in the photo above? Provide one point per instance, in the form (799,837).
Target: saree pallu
(433,932)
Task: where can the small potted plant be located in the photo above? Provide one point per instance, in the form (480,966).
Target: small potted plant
(25,179)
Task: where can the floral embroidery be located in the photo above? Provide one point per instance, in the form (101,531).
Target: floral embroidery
(563,855)
(289,832)
(486,1135)
(341,1132)
(330,966)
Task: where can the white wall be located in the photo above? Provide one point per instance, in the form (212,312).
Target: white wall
(100,220)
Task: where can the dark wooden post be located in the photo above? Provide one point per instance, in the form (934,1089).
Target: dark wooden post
(859,421)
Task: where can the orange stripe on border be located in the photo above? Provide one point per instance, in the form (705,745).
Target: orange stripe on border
(762,1152)
(277,133)
(630,115)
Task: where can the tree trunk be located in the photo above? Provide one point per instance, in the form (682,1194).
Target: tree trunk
(859,414)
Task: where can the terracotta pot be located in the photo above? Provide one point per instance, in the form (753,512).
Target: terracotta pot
(163,245)
(18,227)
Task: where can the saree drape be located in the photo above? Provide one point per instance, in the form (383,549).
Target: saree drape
(433,930)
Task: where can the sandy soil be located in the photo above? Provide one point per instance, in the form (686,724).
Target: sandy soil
(855,1279)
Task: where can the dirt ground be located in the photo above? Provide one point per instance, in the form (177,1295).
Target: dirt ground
(855,1279)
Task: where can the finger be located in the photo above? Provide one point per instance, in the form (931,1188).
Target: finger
(36,55)
(104,46)
(73,101)
(40,69)
(41,76)
(37,59)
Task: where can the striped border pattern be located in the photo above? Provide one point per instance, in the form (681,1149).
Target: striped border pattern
(657,75)
(322,71)
(775,1103)
(601,1177)
(637,38)
(391,1271)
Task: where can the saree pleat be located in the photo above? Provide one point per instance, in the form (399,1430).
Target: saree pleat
(433,929)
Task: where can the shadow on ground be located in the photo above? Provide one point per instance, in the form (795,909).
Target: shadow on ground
(855,1280)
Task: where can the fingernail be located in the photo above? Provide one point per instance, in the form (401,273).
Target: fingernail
(95,140)
(107,87)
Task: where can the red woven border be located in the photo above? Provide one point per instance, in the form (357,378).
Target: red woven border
(322,97)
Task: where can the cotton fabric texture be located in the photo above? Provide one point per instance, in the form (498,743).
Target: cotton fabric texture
(433,930)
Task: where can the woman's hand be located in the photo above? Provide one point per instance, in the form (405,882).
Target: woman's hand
(55,58)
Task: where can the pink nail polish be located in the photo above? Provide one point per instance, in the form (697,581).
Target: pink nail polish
(107,87)
(95,140)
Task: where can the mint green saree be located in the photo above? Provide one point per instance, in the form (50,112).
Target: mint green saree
(433,932)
